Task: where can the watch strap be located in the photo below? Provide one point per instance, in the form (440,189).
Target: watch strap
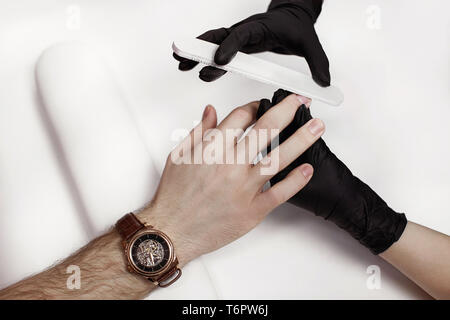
(169,276)
(129,225)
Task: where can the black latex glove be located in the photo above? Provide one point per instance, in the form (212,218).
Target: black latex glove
(335,194)
(287,27)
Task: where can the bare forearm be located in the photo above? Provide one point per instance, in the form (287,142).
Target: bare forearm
(423,255)
(103,276)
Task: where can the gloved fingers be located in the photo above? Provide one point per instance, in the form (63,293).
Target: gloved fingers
(215,36)
(255,17)
(279,95)
(243,35)
(264,106)
(317,61)
(210,73)
(178,58)
(185,64)
(302,116)
(295,181)
(293,126)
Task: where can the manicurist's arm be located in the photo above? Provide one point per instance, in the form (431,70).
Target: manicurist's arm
(423,255)
(338,196)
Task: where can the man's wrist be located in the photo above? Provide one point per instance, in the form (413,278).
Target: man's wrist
(184,251)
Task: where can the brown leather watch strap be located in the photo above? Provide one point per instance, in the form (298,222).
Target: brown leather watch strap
(170,276)
(128,225)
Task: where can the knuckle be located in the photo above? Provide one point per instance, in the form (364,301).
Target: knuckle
(292,101)
(304,135)
(268,122)
(242,113)
(299,178)
(302,138)
(283,110)
(275,198)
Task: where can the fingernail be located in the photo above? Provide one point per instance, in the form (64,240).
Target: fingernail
(307,171)
(308,104)
(303,100)
(205,113)
(316,126)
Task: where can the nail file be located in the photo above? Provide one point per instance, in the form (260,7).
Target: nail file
(259,70)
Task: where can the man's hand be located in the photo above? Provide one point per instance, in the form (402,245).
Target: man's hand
(203,207)
(286,28)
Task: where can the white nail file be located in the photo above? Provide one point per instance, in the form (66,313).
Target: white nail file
(259,70)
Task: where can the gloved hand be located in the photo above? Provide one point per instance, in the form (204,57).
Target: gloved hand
(287,28)
(335,194)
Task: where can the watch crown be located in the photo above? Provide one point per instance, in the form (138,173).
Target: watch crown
(129,268)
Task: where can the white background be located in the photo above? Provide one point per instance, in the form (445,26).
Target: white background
(392,131)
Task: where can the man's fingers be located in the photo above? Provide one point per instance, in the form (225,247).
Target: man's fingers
(274,120)
(264,106)
(288,151)
(295,181)
(209,121)
(240,118)
(317,61)
(238,121)
(209,73)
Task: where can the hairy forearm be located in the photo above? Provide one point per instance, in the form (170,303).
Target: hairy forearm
(423,255)
(103,276)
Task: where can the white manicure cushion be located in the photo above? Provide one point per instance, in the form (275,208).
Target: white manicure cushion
(109,170)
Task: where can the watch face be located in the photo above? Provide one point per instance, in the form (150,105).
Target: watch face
(150,252)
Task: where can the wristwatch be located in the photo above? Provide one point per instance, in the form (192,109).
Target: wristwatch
(149,252)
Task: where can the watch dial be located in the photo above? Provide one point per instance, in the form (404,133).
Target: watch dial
(150,252)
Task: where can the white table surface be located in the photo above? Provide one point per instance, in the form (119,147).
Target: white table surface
(392,131)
